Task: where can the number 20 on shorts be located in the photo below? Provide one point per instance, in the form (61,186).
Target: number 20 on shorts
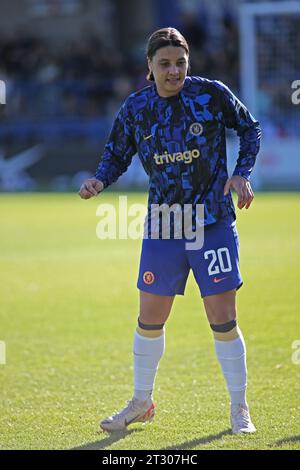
(220,261)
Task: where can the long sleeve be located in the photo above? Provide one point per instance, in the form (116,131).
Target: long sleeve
(119,149)
(236,116)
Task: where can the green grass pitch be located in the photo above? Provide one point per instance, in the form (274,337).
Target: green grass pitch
(68,310)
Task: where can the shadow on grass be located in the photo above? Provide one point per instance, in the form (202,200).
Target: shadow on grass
(196,442)
(118,435)
(108,440)
(286,440)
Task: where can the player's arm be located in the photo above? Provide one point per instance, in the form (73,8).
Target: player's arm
(117,156)
(236,116)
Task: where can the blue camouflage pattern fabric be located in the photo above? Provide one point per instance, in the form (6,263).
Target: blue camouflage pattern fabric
(181,144)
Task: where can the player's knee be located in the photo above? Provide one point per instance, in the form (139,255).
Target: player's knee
(220,312)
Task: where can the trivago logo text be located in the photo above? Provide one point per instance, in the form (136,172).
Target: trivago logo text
(186,157)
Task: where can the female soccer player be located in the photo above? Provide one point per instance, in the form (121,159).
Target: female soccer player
(177,127)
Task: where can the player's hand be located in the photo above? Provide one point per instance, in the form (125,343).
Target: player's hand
(243,189)
(90,187)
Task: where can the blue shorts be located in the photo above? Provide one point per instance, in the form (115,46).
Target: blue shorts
(165,264)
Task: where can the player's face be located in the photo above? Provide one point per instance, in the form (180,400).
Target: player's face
(169,66)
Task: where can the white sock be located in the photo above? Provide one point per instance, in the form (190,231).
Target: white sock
(232,357)
(147,353)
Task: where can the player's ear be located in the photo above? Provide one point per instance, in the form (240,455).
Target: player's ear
(150,75)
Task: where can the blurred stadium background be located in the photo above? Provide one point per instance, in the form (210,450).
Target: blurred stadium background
(68,64)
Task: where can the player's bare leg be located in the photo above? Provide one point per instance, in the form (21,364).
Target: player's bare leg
(231,353)
(220,308)
(154,309)
(149,343)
